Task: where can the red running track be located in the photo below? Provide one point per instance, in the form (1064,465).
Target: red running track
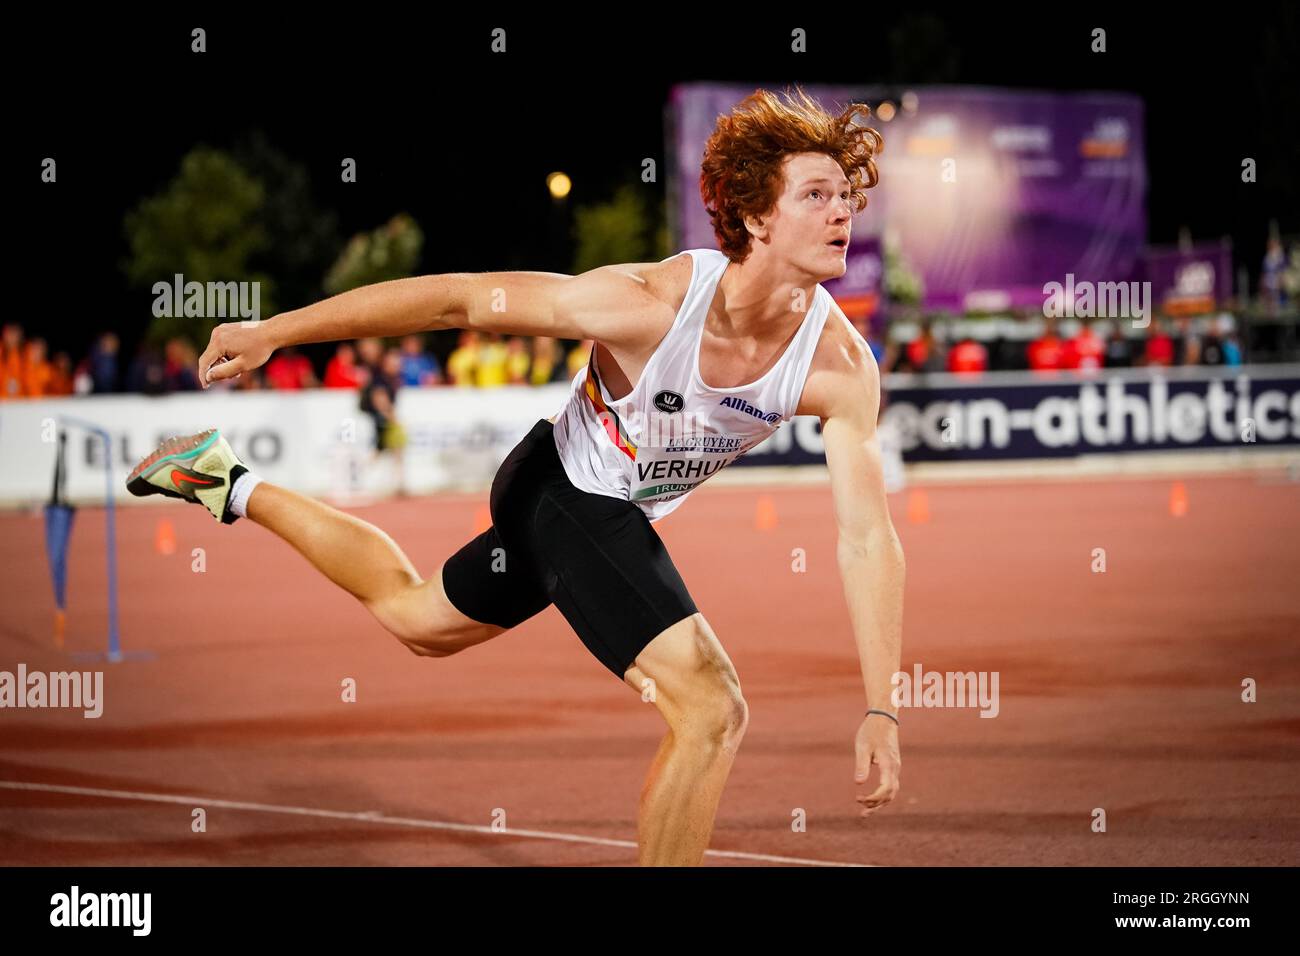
(1119,691)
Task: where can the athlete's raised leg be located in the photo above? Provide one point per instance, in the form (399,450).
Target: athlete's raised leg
(697,691)
(364,561)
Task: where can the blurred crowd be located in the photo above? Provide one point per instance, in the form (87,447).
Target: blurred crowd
(1165,344)
(27,371)
(480,360)
(485,360)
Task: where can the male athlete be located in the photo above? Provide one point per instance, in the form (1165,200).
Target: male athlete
(728,343)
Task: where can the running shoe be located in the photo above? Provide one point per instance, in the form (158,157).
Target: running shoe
(199,468)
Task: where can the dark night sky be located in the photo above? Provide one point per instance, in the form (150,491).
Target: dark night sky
(462,139)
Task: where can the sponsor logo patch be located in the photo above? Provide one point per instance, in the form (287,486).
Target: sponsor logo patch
(668,401)
(741,405)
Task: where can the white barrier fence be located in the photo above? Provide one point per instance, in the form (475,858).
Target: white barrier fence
(320,443)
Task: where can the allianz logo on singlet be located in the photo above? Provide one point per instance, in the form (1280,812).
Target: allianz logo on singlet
(741,405)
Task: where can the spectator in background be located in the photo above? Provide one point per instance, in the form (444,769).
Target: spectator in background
(578,356)
(147,375)
(876,345)
(546,365)
(1232,351)
(342,370)
(925,353)
(1221,346)
(892,361)
(379,399)
(390,370)
(492,356)
(61,382)
(1159,346)
(968,356)
(37,371)
(179,364)
(25,369)
(1085,350)
(289,370)
(517,361)
(11,361)
(419,368)
(102,364)
(1187,344)
(1118,353)
(463,361)
(249,382)
(1047,351)
(370,355)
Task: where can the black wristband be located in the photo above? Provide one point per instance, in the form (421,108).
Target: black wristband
(884,713)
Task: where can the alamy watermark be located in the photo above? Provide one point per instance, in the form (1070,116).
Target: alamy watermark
(212,300)
(76,689)
(1087,300)
(685,431)
(923,688)
(130,910)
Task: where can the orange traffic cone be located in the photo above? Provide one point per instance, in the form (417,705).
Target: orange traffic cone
(918,506)
(765,513)
(164,539)
(1178,500)
(482,519)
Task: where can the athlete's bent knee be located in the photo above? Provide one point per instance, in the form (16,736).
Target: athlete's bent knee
(413,619)
(426,649)
(735,720)
(720,716)
(698,689)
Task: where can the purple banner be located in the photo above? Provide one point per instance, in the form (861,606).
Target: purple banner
(990,194)
(1190,280)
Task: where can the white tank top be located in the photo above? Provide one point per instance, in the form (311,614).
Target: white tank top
(660,441)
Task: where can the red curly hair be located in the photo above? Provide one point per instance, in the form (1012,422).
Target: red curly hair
(741,173)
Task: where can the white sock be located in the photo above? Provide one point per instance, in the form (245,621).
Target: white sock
(244,486)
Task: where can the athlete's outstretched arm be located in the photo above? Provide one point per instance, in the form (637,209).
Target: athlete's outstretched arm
(870,558)
(608,304)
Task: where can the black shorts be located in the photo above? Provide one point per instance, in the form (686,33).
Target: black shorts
(594,556)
